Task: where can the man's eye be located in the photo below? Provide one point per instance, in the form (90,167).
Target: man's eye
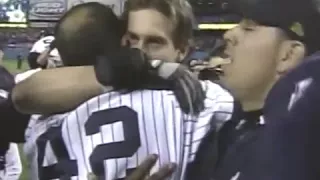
(133,38)
(155,41)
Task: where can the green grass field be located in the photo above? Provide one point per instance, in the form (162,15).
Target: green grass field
(11,65)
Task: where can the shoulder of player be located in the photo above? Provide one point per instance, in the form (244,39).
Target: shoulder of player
(110,98)
(219,104)
(24,75)
(292,87)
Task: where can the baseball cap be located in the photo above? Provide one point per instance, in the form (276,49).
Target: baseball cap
(298,18)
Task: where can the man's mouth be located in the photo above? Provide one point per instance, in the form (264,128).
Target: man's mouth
(218,63)
(219,56)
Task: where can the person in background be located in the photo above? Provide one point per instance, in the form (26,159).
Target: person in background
(10,165)
(19,61)
(10,162)
(39,47)
(49,58)
(1,55)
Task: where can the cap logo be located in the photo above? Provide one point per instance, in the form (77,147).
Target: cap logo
(297,28)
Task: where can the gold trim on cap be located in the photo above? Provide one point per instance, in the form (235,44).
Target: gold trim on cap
(297,28)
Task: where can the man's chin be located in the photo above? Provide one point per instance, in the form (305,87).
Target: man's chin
(222,81)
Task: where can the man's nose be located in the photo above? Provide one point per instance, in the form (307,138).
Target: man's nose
(138,45)
(230,37)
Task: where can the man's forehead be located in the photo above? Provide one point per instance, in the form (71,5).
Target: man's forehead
(149,23)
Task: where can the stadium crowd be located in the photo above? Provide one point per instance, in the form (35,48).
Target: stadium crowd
(19,35)
(112,97)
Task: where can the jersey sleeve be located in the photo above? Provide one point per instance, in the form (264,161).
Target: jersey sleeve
(22,76)
(219,104)
(218,109)
(13,163)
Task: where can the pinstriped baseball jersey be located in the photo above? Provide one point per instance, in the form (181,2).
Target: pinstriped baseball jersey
(111,134)
(37,150)
(13,167)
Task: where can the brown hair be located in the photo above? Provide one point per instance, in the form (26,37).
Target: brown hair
(178,11)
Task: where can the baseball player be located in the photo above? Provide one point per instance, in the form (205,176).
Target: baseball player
(51,58)
(10,164)
(39,47)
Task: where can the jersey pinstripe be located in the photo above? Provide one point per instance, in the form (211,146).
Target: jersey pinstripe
(111,134)
(37,127)
(12,167)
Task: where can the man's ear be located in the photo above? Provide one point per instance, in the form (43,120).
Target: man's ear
(183,52)
(291,54)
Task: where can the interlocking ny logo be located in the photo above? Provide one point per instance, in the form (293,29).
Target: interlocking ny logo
(299,91)
(298,29)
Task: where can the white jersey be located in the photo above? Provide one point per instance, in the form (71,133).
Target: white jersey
(22,76)
(12,168)
(42,44)
(111,134)
(36,136)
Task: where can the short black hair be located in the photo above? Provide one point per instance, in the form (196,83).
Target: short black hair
(85,32)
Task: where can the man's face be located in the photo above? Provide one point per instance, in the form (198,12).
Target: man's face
(151,32)
(253,53)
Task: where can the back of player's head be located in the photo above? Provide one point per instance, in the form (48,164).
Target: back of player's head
(125,69)
(85,32)
(179,12)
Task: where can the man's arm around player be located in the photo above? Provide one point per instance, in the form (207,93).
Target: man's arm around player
(63,89)
(45,92)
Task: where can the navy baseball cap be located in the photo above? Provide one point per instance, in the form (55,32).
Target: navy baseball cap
(298,18)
